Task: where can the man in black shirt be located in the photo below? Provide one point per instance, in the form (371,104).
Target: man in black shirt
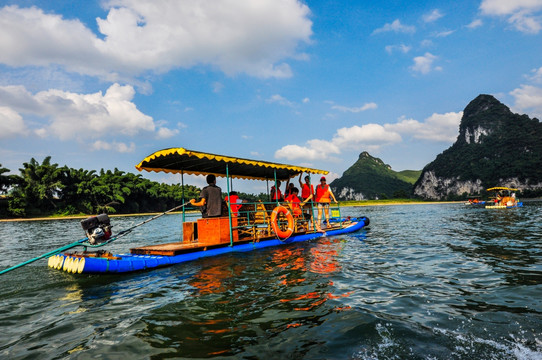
(210,199)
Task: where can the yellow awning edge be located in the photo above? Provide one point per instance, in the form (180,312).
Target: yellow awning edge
(501,188)
(181,160)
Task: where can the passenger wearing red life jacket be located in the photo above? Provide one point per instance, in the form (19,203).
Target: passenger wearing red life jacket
(288,190)
(307,189)
(294,202)
(232,201)
(276,195)
(323,198)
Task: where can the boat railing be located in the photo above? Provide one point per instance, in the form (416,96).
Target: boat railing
(253,220)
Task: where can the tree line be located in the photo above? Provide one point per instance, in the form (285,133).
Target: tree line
(49,189)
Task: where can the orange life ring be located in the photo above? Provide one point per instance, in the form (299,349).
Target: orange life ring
(282,234)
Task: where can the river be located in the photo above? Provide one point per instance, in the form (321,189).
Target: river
(421,282)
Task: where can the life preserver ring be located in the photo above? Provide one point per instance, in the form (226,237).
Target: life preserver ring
(282,234)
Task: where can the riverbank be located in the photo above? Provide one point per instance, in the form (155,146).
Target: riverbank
(342,204)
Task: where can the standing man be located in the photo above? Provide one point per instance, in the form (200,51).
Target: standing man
(307,189)
(210,199)
(323,198)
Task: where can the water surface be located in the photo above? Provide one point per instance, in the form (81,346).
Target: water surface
(422,282)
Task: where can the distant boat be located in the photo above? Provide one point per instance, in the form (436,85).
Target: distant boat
(244,226)
(475,201)
(504,198)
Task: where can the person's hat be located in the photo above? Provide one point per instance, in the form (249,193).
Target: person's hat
(323,178)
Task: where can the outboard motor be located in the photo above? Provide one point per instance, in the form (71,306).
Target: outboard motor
(97,228)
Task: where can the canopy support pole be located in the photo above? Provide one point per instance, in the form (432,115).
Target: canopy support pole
(229,200)
(182,193)
(276,187)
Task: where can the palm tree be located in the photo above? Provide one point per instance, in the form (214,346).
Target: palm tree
(42,182)
(6,181)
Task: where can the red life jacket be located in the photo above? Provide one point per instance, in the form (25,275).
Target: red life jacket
(322,194)
(294,200)
(275,194)
(233,204)
(307,191)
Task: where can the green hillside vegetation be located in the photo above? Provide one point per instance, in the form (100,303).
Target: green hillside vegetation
(373,178)
(508,146)
(409,176)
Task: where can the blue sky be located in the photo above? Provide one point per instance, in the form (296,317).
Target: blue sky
(102,84)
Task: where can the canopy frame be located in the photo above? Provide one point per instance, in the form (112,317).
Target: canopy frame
(183,161)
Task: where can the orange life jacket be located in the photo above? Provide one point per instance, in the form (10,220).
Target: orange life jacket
(322,194)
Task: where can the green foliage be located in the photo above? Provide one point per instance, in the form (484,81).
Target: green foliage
(409,176)
(6,181)
(46,189)
(374,179)
(37,188)
(509,147)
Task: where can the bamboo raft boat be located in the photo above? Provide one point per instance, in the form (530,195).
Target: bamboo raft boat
(251,226)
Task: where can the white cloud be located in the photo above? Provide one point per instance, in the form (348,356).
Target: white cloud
(234,36)
(71,115)
(217,87)
(115,146)
(528,99)
(396,27)
(475,23)
(367,106)
(165,133)
(401,48)
(522,14)
(426,43)
(278,99)
(313,150)
(306,100)
(424,64)
(432,16)
(437,127)
(536,75)
(372,137)
(11,123)
(366,135)
(444,33)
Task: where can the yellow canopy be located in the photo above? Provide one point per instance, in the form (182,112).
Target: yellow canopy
(501,188)
(181,160)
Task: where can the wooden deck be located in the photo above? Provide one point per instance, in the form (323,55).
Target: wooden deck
(175,248)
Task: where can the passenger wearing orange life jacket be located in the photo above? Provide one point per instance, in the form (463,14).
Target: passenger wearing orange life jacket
(323,198)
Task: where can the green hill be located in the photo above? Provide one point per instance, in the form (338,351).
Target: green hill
(410,176)
(371,178)
(495,147)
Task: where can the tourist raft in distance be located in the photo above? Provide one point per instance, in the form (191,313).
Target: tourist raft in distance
(504,198)
(245,226)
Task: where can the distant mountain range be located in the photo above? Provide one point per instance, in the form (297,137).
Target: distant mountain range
(371,178)
(495,147)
